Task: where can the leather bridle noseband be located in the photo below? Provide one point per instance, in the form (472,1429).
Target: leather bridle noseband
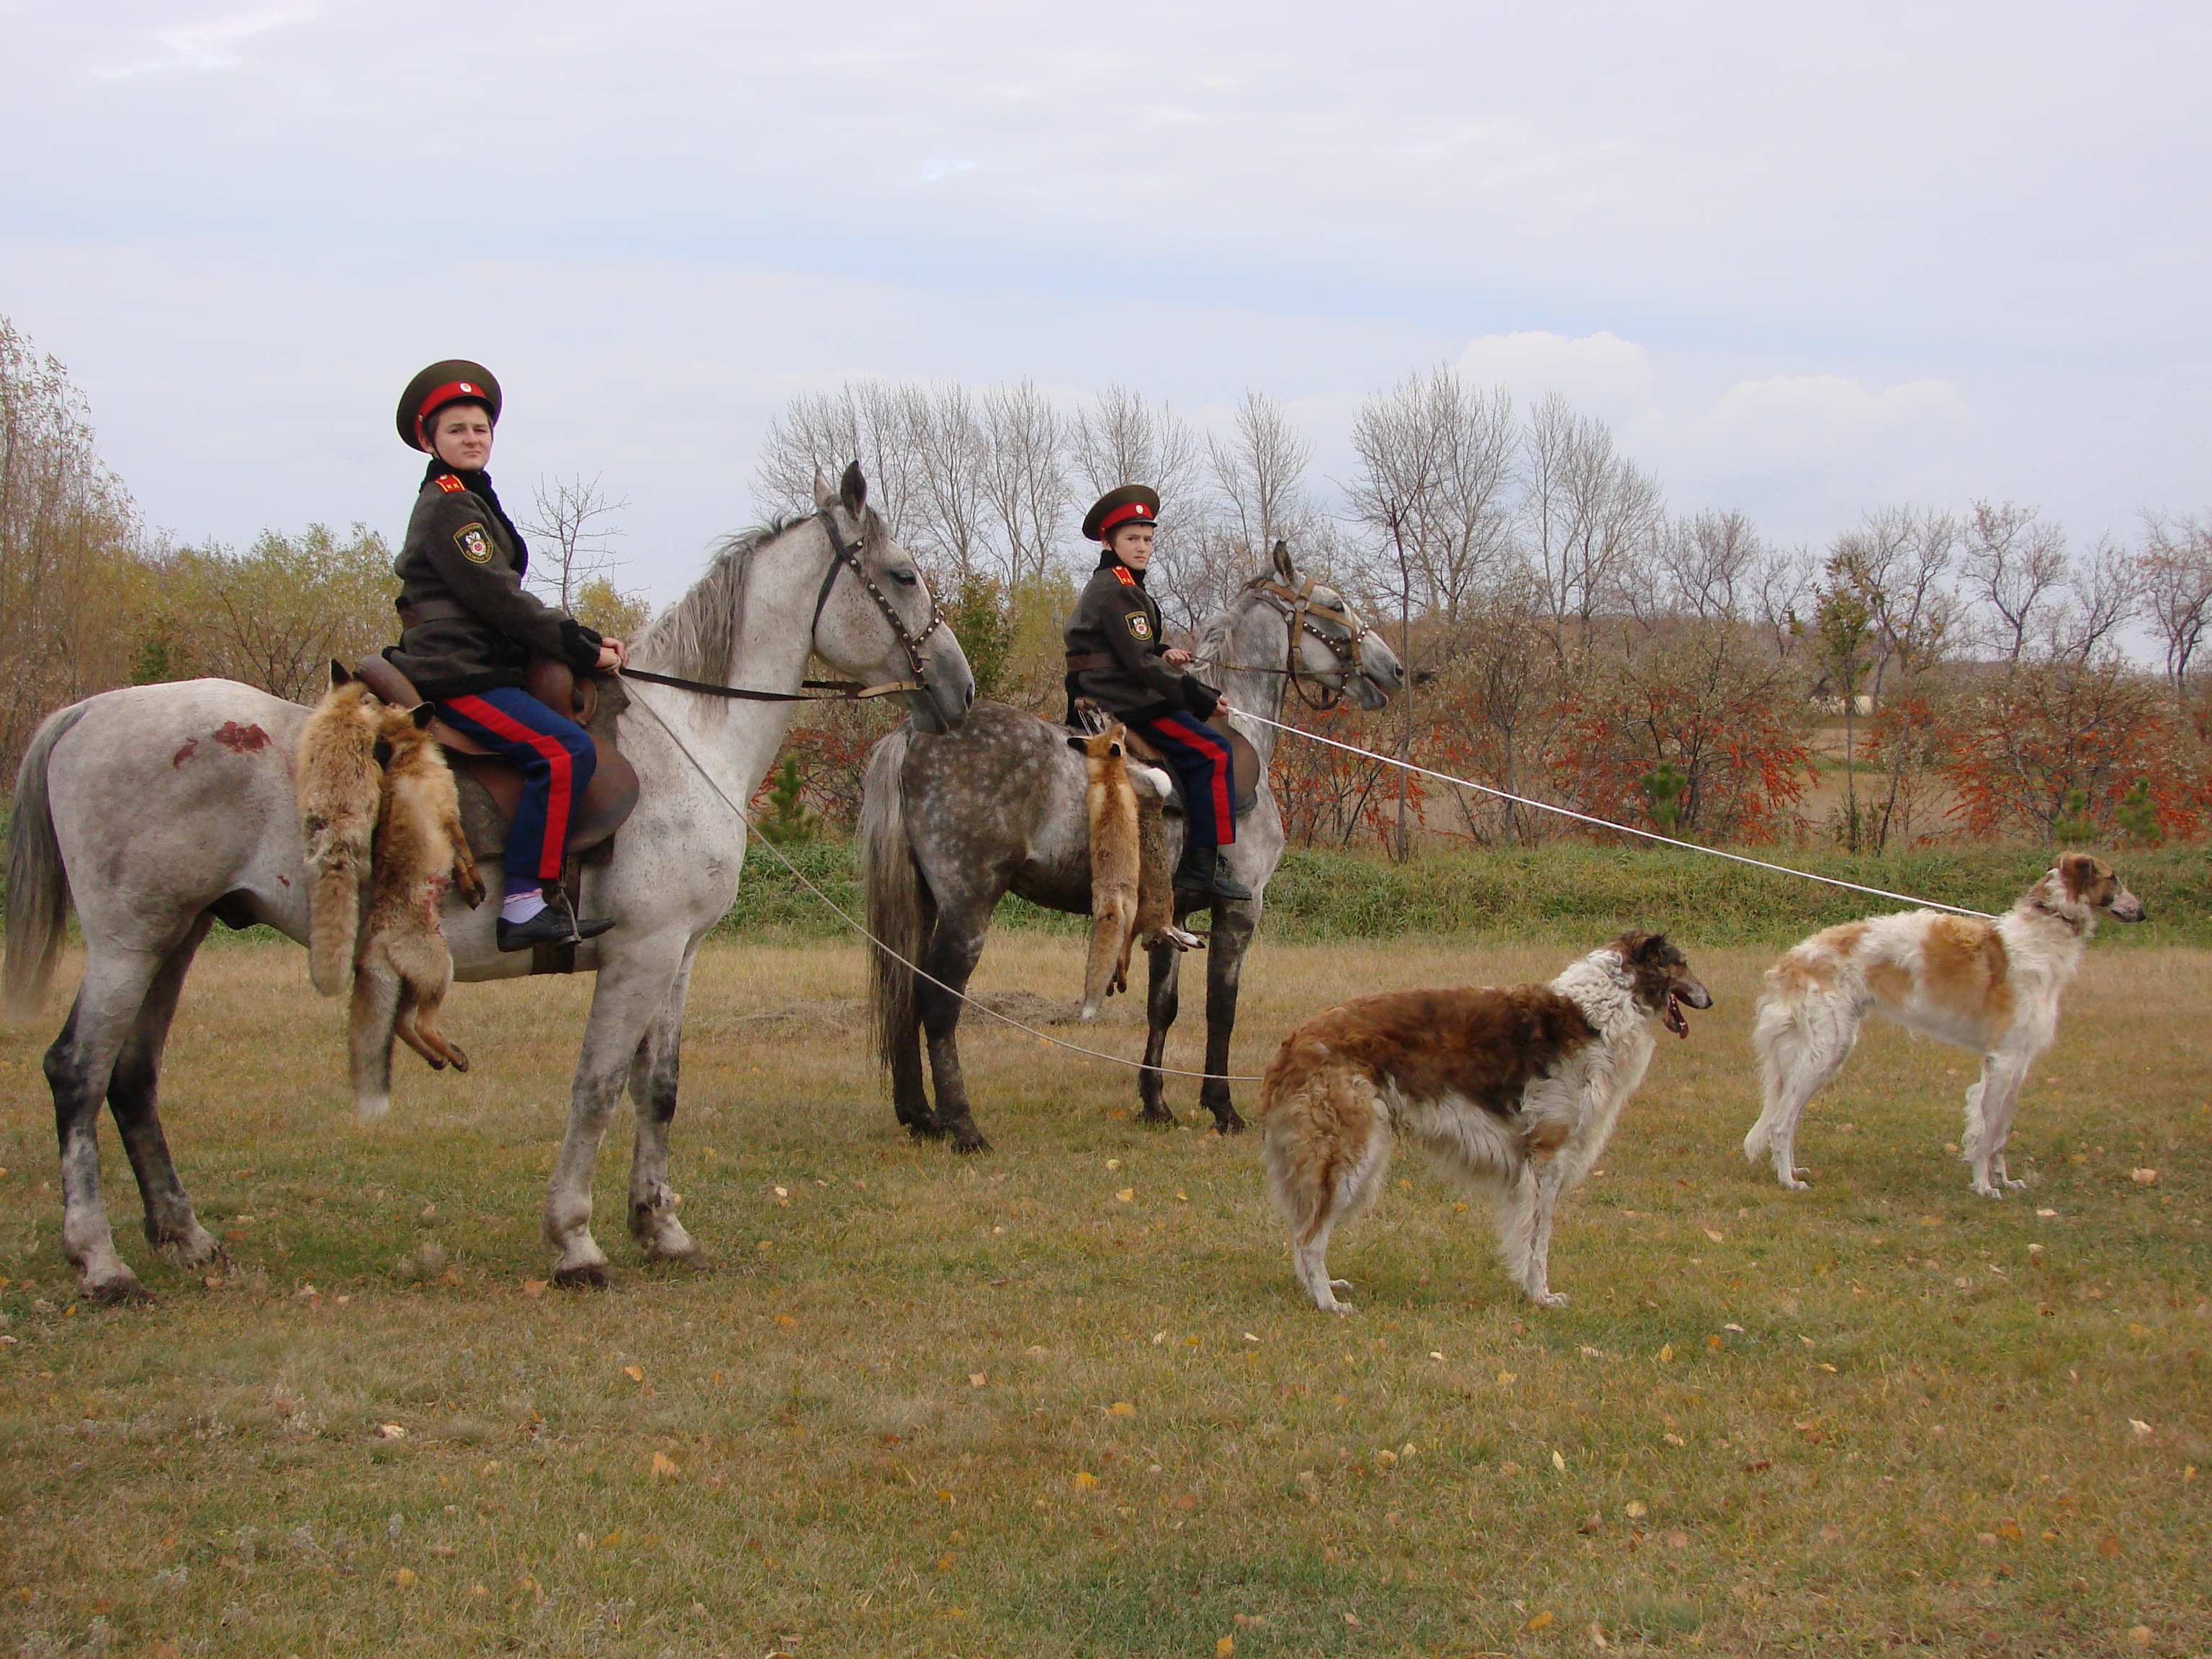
(844,555)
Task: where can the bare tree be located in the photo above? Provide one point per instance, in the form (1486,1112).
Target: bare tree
(947,453)
(1436,467)
(2108,594)
(1709,567)
(1024,476)
(1588,511)
(2176,566)
(871,422)
(1259,477)
(568,534)
(2015,565)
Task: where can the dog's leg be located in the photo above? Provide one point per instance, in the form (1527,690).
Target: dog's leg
(1990,1104)
(1550,1177)
(1800,1048)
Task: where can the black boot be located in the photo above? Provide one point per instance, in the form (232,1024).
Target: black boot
(556,924)
(1223,885)
(1193,872)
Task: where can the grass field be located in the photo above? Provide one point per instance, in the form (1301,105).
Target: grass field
(1061,1400)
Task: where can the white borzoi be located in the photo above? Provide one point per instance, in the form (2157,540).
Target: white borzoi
(1991,987)
(1511,1091)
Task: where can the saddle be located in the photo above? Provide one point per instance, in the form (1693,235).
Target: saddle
(490,785)
(1243,759)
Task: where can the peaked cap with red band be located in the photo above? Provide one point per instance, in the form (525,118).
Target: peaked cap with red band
(1130,504)
(456,381)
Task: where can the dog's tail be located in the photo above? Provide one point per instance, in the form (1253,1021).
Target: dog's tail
(1314,1140)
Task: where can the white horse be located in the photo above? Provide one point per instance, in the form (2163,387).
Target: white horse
(162,809)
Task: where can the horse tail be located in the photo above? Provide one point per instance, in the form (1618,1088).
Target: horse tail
(894,894)
(38,881)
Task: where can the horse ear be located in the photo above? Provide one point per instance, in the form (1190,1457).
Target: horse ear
(823,494)
(338,675)
(853,490)
(1281,560)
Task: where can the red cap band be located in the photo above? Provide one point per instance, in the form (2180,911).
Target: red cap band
(1122,515)
(445,394)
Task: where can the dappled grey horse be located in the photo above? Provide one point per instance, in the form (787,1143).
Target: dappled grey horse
(163,809)
(952,822)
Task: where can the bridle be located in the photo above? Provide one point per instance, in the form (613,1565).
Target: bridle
(1299,610)
(844,555)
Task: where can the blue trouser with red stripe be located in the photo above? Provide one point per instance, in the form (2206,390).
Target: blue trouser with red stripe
(556,759)
(1200,755)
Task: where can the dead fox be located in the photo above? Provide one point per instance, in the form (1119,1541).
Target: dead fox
(403,969)
(1129,908)
(337,783)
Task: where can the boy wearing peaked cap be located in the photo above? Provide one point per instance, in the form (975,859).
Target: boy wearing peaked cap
(1117,658)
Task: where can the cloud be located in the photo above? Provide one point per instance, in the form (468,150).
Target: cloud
(209,45)
(1600,374)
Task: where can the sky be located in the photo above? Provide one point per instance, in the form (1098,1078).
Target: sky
(1808,261)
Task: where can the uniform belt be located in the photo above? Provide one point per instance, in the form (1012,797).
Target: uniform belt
(425,610)
(1079,660)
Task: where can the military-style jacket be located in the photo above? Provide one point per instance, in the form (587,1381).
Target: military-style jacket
(1116,619)
(457,554)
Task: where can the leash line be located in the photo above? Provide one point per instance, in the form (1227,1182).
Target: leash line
(832,906)
(1618,829)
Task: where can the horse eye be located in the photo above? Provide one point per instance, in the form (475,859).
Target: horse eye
(904,578)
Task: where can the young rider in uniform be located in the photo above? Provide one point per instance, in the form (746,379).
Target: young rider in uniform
(470,630)
(1116,659)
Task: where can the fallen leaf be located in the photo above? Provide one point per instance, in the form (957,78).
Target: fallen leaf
(1678,1540)
(1121,1408)
(441,1552)
(2010,1532)
(2045,1215)
(1713,1341)
(1505,1379)
(1113,1163)
(1352,1620)
(1126,1195)
(1186,1503)
(664,1467)
(2109,1546)
(977,1379)
(1084,1480)
(1666,1353)
(2140,1635)
(404,1578)
(635,1373)
(2144,1430)
(787,1321)
(1541,1622)
(1718,1238)
(533,1287)
(391,1432)
(1635,1510)
(2143,1178)
(1559,1463)
(1223,1647)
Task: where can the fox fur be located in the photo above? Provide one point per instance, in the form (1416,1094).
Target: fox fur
(1109,801)
(338,783)
(403,969)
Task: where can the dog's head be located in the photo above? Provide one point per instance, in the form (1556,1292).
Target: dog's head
(1662,979)
(2085,881)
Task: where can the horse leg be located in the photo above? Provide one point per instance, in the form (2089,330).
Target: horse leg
(133,1096)
(954,947)
(652,1075)
(631,992)
(909,1099)
(1163,1000)
(1224,964)
(80,1066)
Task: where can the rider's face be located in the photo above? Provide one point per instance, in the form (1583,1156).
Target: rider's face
(460,433)
(1133,545)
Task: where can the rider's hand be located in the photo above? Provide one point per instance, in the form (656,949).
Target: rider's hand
(613,653)
(1176,653)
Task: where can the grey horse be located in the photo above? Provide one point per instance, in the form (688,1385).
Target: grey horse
(951,823)
(162,809)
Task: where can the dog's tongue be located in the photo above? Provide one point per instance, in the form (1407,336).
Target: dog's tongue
(1675,1021)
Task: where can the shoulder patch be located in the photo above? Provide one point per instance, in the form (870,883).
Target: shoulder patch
(1122,572)
(476,546)
(451,485)
(1141,625)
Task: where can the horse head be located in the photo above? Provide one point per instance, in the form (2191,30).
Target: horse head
(875,616)
(1321,642)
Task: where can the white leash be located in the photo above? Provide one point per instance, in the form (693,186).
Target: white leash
(833,908)
(1618,829)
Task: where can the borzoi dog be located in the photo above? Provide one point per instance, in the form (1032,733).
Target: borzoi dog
(1511,1091)
(1991,987)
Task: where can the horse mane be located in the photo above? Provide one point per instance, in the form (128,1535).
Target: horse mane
(696,637)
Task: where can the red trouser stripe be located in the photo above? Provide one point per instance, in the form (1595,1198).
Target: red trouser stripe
(557,799)
(1194,734)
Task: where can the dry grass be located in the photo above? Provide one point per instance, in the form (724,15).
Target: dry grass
(929,1406)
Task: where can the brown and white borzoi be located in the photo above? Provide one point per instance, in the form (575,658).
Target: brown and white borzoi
(1512,1090)
(1991,987)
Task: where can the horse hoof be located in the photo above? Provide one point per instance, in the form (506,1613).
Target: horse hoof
(1228,1123)
(925,1129)
(972,1141)
(1156,1118)
(692,1261)
(590,1276)
(115,1289)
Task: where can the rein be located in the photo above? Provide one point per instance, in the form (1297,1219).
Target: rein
(845,556)
(1297,607)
